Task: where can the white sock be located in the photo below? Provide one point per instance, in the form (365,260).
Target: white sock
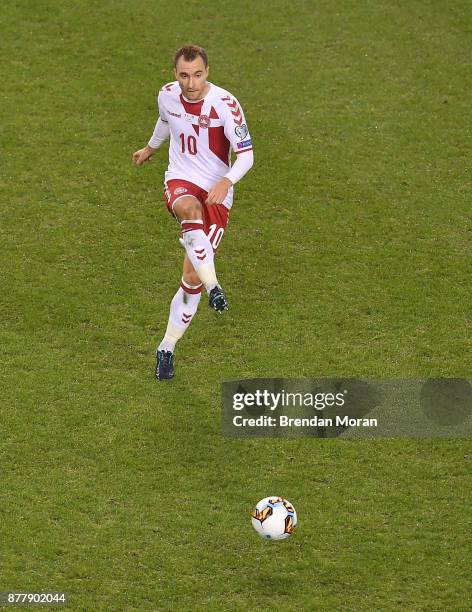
(182,309)
(200,252)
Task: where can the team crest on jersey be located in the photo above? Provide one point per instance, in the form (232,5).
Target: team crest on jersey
(180,190)
(241,131)
(204,121)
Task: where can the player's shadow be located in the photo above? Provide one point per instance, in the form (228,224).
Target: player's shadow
(275,583)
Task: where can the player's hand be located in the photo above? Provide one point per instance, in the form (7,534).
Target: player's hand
(218,192)
(143,155)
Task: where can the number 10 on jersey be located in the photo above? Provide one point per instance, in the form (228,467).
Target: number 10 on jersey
(189,145)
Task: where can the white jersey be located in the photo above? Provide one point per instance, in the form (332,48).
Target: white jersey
(202,135)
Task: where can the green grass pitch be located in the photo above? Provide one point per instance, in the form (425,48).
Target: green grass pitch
(348,254)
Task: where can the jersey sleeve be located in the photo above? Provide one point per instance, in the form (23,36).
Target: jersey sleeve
(241,166)
(160,134)
(236,129)
(161,105)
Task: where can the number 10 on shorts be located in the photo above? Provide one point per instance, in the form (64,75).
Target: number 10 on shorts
(214,235)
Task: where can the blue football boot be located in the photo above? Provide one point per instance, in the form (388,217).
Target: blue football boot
(164,365)
(217,300)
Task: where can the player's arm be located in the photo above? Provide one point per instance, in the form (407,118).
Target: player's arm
(160,135)
(238,135)
(241,166)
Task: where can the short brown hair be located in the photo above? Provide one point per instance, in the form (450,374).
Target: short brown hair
(189,53)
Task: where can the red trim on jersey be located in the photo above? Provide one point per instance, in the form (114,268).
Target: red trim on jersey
(192,290)
(196,128)
(243,151)
(233,104)
(235,110)
(192,108)
(213,114)
(218,143)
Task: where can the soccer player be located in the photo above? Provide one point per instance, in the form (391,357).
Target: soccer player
(204,123)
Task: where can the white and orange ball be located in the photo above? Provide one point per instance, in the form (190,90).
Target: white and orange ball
(274,518)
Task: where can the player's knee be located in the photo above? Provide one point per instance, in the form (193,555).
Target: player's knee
(188,208)
(191,278)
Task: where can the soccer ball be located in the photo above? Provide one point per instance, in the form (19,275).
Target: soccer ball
(274,518)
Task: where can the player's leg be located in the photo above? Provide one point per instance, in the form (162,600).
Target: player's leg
(189,211)
(216,297)
(182,310)
(215,220)
(183,307)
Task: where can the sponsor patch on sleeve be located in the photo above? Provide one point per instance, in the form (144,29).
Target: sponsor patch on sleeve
(245,143)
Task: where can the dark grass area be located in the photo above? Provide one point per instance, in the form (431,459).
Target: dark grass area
(348,253)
